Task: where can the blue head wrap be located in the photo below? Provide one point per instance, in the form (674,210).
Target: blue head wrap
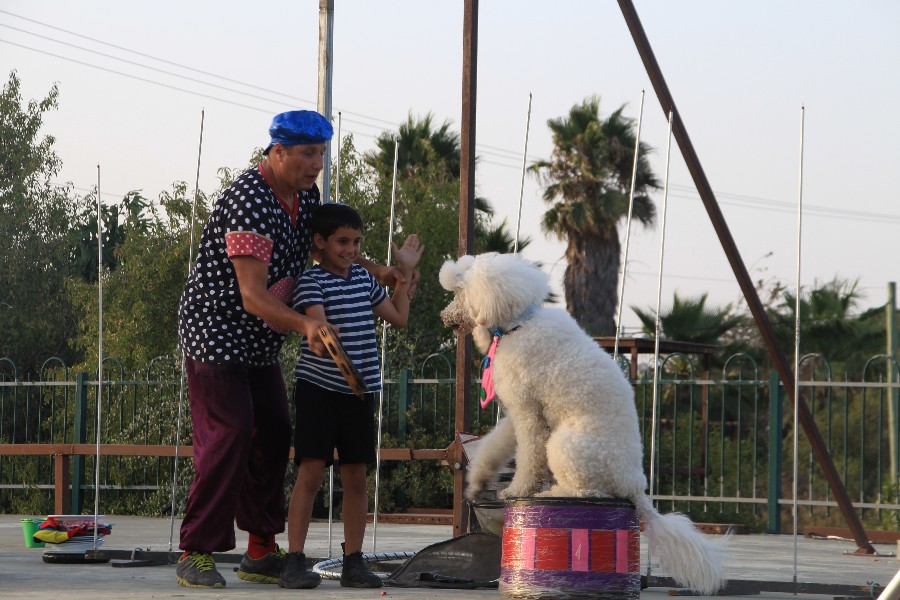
(299,127)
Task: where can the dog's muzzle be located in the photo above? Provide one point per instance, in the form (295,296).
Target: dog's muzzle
(457,319)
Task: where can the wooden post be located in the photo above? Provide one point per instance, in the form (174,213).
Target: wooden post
(62,482)
(463,419)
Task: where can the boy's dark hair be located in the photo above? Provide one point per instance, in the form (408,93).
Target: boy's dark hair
(331,216)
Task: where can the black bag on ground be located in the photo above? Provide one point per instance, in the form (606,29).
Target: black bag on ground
(466,562)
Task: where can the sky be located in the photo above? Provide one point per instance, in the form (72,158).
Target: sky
(134,78)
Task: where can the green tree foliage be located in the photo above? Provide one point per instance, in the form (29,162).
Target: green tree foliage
(147,269)
(691,320)
(587,183)
(36,317)
(425,153)
(829,323)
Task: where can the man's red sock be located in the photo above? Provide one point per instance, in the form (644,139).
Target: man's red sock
(258,546)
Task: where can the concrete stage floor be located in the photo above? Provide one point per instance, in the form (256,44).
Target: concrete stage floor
(753,558)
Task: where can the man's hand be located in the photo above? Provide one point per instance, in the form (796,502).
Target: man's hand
(311,331)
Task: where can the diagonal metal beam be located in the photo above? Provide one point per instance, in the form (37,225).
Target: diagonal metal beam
(743,277)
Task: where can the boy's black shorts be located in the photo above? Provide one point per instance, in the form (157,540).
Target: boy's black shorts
(325,420)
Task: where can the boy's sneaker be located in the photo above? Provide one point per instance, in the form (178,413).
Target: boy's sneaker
(295,574)
(198,570)
(356,573)
(266,569)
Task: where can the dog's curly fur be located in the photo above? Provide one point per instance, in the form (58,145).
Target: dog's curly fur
(569,403)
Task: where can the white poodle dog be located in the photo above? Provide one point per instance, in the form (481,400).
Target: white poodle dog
(570,417)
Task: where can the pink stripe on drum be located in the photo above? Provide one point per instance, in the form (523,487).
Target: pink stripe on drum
(528,541)
(580,550)
(622,548)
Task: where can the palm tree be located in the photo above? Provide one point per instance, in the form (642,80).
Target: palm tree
(420,145)
(690,320)
(828,323)
(587,182)
(424,148)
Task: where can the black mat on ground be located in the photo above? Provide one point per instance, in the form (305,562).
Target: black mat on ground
(466,562)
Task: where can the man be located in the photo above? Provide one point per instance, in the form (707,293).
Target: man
(233,319)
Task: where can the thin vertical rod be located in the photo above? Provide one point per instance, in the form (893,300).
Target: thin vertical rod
(797,342)
(522,183)
(384,330)
(183,358)
(662,246)
(337,171)
(337,198)
(634,169)
(99,353)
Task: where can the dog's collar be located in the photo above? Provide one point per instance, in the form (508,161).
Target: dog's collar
(525,316)
(487,366)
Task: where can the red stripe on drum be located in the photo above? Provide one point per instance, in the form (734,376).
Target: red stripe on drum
(552,550)
(603,551)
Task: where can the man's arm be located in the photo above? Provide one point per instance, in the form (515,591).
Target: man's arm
(252,276)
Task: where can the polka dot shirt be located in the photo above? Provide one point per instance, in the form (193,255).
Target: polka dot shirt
(248,220)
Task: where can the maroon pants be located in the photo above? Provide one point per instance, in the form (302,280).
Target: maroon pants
(242,436)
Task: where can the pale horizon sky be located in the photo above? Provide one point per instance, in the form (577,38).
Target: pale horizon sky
(134,77)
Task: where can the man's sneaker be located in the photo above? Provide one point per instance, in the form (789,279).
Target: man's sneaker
(356,573)
(266,569)
(198,570)
(295,574)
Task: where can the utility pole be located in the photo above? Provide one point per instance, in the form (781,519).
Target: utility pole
(323,104)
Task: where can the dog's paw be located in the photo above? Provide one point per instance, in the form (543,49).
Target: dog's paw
(471,494)
(517,491)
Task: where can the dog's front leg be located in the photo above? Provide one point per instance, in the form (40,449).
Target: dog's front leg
(531,455)
(495,451)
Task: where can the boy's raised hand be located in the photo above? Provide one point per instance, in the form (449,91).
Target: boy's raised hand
(408,255)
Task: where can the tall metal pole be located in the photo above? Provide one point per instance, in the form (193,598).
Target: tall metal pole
(890,321)
(634,168)
(522,182)
(183,356)
(99,354)
(337,171)
(662,246)
(742,275)
(384,330)
(323,105)
(463,420)
(795,510)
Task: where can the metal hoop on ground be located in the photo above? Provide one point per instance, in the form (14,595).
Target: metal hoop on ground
(325,568)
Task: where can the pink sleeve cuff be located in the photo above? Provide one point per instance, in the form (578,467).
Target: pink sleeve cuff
(248,243)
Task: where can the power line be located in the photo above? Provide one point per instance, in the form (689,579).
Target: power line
(740,200)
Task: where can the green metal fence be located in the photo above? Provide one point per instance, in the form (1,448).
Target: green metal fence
(722,445)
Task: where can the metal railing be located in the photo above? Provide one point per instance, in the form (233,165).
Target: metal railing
(723,443)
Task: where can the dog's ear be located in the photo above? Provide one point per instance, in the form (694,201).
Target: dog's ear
(452,273)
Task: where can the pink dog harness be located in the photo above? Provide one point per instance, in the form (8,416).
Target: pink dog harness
(487,372)
(487,365)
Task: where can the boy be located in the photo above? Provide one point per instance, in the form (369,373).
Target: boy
(328,414)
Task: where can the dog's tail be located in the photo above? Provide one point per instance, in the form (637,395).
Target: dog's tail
(684,552)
